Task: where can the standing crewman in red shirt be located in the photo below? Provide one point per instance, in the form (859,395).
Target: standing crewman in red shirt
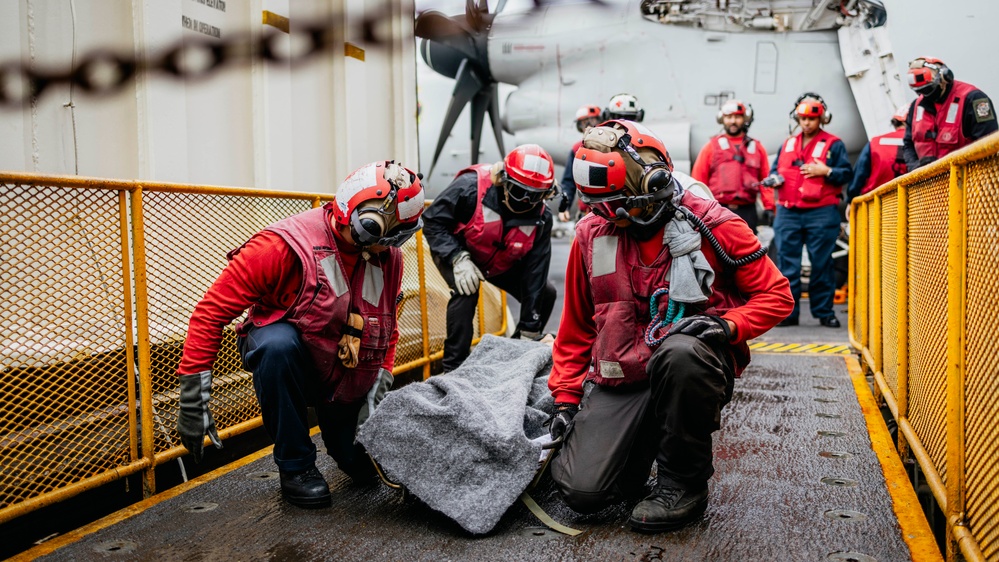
(810,171)
(882,159)
(663,289)
(947,115)
(492,224)
(322,289)
(732,165)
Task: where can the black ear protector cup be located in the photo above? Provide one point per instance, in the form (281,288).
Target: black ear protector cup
(826,114)
(659,177)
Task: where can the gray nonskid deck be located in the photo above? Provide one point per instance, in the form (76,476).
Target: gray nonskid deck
(768,500)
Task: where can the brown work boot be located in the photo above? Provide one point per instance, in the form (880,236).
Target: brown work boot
(669,506)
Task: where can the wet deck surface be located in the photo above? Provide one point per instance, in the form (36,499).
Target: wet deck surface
(796,479)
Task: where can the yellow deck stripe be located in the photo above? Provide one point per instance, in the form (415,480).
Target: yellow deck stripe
(71,537)
(915,530)
(816,348)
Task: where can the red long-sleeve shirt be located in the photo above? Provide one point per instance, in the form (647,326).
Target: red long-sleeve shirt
(767,291)
(267,271)
(702,168)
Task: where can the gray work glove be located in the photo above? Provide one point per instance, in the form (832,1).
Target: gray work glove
(466,275)
(195,419)
(378,390)
(707,328)
(559,422)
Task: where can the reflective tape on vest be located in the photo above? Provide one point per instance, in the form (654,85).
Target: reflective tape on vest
(337,280)
(604,255)
(890,141)
(489,215)
(789,145)
(611,370)
(952,112)
(528,230)
(751,147)
(374,283)
(920,111)
(723,142)
(819,149)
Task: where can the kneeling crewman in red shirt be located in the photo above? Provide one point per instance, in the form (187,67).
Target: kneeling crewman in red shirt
(662,291)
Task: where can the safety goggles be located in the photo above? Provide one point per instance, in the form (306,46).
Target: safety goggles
(523,194)
(368,232)
(607,207)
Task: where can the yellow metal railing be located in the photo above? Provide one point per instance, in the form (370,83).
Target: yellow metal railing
(98,279)
(924,311)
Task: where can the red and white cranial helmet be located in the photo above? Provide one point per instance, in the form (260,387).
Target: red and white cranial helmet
(381,202)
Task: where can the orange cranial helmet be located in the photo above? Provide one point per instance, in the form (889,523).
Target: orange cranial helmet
(381,203)
(587,115)
(623,166)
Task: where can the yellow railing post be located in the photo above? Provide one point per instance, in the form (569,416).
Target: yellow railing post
(129,326)
(902,297)
(142,324)
(874,330)
(424,320)
(851,298)
(955,357)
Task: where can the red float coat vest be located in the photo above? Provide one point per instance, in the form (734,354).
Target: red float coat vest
(887,162)
(327,297)
(491,250)
(621,286)
(798,191)
(733,182)
(939,135)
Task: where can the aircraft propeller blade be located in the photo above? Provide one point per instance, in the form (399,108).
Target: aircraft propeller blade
(455,47)
(468,83)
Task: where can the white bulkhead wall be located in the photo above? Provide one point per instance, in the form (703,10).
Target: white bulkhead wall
(263,125)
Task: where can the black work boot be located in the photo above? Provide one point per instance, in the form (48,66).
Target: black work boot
(307,489)
(669,506)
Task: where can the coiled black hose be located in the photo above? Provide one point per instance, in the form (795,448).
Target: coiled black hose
(719,251)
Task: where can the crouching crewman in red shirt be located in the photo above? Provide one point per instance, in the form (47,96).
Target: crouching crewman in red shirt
(321,288)
(662,291)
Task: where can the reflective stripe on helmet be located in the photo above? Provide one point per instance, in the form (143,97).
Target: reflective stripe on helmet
(536,164)
(589,174)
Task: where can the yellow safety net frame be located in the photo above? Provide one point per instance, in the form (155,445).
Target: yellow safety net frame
(924,311)
(98,279)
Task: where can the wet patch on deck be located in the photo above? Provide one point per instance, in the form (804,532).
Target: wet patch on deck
(795,479)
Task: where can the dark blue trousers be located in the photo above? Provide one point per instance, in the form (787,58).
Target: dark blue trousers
(816,229)
(286,383)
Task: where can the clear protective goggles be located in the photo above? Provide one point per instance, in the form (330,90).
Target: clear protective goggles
(607,207)
(523,194)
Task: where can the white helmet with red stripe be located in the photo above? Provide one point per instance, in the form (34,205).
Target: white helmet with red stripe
(381,203)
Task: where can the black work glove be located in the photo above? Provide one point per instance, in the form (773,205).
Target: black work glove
(559,422)
(563,205)
(768,217)
(926,160)
(195,419)
(706,328)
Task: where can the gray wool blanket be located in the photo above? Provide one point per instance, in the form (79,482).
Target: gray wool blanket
(462,442)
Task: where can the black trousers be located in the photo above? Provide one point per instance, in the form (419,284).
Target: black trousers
(747,213)
(620,431)
(461,310)
(286,384)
